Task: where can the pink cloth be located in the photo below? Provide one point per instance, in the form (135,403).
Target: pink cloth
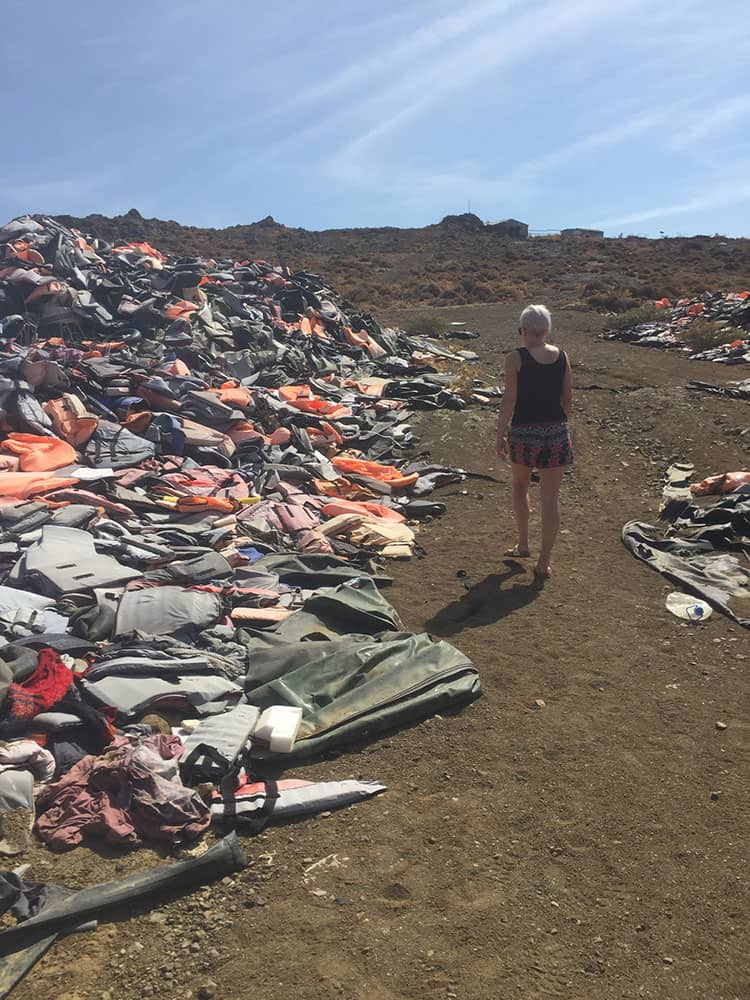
(130,793)
(30,756)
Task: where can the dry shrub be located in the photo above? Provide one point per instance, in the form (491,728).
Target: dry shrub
(425,325)
(463,383)
(646,292)
(647,313)
(703,334)
(462,380)
(616,302)
(508,293)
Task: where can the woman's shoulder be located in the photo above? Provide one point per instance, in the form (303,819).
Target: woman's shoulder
(514,357)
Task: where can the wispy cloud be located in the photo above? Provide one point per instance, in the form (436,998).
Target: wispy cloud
(54,193)
(408,82)
(712,121)
(638,125)
(720,195)
(467,179)
(525,36)
(401,55)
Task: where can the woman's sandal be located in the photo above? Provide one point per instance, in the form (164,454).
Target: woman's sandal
(542,574)
(517,553)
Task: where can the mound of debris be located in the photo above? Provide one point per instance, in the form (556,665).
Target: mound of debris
(203,465)
(701,548)
(732,309)
(734,390)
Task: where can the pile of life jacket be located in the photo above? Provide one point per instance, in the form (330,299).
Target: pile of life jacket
(732,309)
(204,468)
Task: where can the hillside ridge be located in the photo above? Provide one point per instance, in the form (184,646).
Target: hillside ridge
(456,261)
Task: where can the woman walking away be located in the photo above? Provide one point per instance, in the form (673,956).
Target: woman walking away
(537,403)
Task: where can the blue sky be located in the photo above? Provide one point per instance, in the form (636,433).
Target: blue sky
(623,114)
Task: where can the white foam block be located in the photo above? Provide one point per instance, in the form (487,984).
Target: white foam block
(278,727)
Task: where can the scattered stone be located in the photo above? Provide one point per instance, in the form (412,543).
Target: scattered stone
(715,796)
(667,960)
(540,703)
(721,725)
(208,990)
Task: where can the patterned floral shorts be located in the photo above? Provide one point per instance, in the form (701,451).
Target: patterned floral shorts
(540,446)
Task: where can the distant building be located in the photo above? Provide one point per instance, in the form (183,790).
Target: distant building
(510,228)
(585,234)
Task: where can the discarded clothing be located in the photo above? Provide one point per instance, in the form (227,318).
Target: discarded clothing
(695,565)
(727,482)
(199,461)
(46,687)
(734,390)
(130,793)
(29,756)
(731,309)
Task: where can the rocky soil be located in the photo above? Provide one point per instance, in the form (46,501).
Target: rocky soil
(581,831)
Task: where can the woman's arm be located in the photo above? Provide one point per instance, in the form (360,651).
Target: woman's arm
(566,396)
(508,405)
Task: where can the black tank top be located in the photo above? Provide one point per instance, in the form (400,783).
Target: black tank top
(539,390)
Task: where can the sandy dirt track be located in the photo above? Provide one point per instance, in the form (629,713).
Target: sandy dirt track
(570,851)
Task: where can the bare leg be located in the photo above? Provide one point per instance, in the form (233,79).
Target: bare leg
(521,479)
(549,491)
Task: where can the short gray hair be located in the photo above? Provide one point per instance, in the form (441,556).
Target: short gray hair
(536,319)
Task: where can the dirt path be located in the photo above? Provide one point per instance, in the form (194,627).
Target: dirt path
(567,851)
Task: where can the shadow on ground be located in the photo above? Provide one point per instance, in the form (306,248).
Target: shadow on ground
(486,602)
